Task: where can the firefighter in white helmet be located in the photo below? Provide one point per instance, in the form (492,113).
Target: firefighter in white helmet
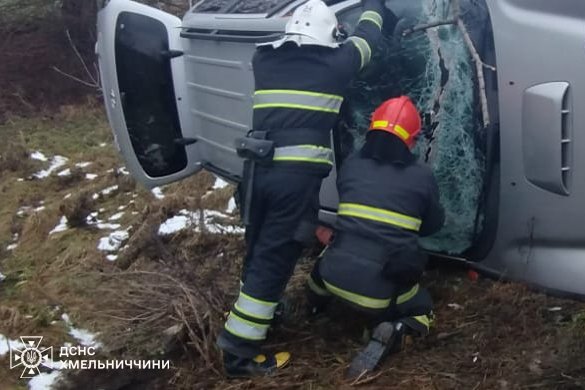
(300,83)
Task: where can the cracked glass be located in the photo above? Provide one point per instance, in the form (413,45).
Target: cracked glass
(435,68)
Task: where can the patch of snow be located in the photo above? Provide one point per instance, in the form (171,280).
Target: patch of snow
(220,183)
(123,171)
(116,216)
(44,381)
(231,205)
(105,191)
(83,164)
(101,210)
(121,208)
(67,196)
(455,306)
(40,208)
(61,227)
(66,172)
(135,213)
(186,219)
(174,224)
(114,241)
(6,344)
(109,190)
(556,308)
(2,278)
(157,192)
(135,195)
(108,226)
(20,179)
(112,257)
(103,145)
(11,247)
(38,156)
(56,163)
(91,176)
(84,337)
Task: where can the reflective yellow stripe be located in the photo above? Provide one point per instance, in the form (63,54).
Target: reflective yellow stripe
(255,308)
(401,132)
(371,303)
(373,17)
(407,296)
(363,47)
(295,99)
(316,288)
(245,329)
(295,106)
(304,153)
(297,92)
(379,215)
(423,320)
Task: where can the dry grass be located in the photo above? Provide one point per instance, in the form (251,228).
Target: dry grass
(77,209)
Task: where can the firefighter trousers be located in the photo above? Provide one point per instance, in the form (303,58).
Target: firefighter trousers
(282,199)
(412,305)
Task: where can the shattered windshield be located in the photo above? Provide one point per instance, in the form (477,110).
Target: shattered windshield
(435,68)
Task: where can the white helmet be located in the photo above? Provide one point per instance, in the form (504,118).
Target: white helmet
(313,23)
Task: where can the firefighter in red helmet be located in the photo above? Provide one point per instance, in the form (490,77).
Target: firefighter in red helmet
(387,200)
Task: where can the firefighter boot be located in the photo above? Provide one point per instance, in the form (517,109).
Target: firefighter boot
(387,337)
(261,365)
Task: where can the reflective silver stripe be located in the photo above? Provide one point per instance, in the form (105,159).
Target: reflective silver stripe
(245,329)
(302,100)
(373,17)
(304,153)
(255,308)
(363,47)
(379,215)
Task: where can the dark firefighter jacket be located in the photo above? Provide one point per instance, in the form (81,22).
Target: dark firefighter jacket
(384,208)
(299,91)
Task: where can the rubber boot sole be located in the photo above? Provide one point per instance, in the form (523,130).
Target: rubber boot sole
(378,347)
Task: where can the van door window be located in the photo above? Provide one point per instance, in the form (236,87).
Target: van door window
(147,94)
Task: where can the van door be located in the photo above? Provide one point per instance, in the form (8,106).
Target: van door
(142,76)
(220,82)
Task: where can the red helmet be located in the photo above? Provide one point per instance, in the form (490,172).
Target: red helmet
(398,116)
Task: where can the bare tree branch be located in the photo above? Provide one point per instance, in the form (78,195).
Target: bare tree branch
(423,27)
(479,70)
(69,76)
(90,75)
(456,20)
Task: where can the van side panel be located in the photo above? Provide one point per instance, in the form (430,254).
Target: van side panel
(541,61)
